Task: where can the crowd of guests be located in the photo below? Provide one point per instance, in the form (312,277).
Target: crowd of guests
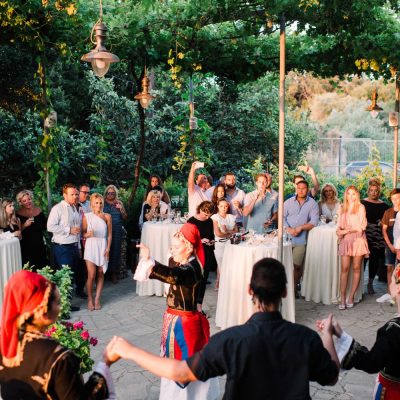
(86,235)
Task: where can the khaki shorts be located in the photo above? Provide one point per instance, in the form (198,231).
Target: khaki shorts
(298,254)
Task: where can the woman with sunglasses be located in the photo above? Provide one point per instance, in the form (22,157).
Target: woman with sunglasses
(116,209)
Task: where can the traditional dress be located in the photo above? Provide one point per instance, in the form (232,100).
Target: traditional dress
(382,358)
(34,366)
(185,330)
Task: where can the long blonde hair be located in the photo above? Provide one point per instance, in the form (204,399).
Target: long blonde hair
(346,205)
(4,219)
(95,196)
(323,196)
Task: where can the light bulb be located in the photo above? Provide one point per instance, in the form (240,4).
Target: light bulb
(374,113)
(100,66)
(144,102)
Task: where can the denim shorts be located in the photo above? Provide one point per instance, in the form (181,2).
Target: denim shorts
(390,258)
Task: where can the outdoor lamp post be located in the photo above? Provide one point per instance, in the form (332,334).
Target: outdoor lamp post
(100,57)
(144,96)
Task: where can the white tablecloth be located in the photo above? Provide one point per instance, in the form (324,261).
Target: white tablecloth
(10,261)
(234,304)
(321,278)
(157,236)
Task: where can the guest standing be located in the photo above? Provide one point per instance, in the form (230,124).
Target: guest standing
(9,222)
(235,197)
(155,183)
(84,194)
(185,330)
(353,246)
(206,228)
(116,209)
(218,193)
(33,225)
(97,228)
(197,191)
(65,225)
(374,209)
(224,227)
(329,204)
(388,221)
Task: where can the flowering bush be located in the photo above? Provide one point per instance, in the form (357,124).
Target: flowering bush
(73,336)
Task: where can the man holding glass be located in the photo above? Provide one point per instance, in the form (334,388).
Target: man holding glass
(64,223)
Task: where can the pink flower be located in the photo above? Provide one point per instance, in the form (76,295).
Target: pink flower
(78,325)
(93,341)
(85,335)
(50,331)
(67,324)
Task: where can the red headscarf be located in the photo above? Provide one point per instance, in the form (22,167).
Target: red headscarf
(26,294)
(192,235)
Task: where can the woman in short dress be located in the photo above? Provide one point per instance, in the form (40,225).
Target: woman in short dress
(97,230)
(185,330)
(224,226)
(353,245)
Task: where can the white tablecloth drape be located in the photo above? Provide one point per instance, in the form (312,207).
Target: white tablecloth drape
(321,278)
(157,236)
(234,306)
(10,261)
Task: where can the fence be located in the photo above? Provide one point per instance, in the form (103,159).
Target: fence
(331,155)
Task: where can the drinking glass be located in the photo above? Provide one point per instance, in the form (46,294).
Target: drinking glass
(322,218)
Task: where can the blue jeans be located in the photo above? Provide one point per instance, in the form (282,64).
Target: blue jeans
(66,254)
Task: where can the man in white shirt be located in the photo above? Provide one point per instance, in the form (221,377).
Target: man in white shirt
(64,223)
(235,197)
(198,191)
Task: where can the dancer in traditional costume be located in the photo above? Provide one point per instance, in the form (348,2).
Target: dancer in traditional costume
(34,366)
(383,358)
(185,330)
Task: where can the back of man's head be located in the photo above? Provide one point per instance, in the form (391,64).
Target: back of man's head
(268,281)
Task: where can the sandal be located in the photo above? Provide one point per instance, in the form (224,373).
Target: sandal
(349,305)
(342,306)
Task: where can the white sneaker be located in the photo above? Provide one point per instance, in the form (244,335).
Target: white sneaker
(386,298)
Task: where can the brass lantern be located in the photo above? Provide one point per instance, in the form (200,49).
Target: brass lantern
(144,96)
(373,108)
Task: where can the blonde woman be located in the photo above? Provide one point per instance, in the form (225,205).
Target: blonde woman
(97,230)
(114,206)
(152,206)
(329,204)
(353,245)
(9,222)
(33,226)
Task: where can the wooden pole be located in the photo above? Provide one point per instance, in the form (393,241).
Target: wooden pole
(281,137)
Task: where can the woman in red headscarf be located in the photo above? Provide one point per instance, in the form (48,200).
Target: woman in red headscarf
(185,330)
(34,366)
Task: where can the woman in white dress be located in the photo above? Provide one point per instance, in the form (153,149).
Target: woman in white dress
(97,228)
(329,204)
(224,227)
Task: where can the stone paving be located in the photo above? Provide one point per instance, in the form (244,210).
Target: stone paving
(138,319)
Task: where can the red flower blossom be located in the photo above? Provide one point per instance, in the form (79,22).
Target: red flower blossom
(78,325)
(85,335)
(93,341)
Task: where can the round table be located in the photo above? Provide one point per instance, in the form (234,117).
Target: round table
(321,278)
(234,306)
(10,261)
(157,237)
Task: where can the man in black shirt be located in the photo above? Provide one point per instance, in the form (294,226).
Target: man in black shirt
(266,358)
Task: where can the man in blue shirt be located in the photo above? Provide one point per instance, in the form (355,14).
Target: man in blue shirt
(300,215)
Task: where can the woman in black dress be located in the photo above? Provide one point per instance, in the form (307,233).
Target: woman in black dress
(374,208)
(33,225)
(206,227)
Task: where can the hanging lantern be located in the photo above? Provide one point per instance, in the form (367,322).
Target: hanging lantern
(100,57)
(144,96)
(373,108)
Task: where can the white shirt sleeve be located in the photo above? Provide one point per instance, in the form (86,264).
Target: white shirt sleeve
(396,232)
(143,270)
(54,224)
(103,369)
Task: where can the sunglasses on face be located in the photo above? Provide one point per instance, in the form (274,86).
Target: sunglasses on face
(111,193)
